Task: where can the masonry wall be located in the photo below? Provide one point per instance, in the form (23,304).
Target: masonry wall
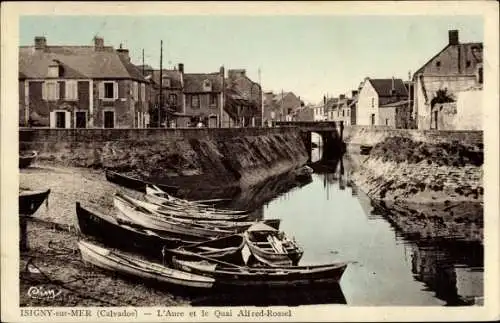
(243,155)
(366,135)
(470,110)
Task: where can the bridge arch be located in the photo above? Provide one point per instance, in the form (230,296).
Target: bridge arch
(331,135)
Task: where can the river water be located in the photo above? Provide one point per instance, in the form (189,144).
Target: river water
(333,221)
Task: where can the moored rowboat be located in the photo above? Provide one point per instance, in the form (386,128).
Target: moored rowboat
(226,248)
(26,160)
(183,212)
(161,196)
(30,201)
(271,246)
(125,264)
(229,274)
(152,220)
(113,231)
(135,183)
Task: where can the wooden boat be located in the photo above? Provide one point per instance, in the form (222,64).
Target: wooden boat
(157,196)
(234,275)
(271,246)
(226,248)
(182,212)
(30,201)
(152,220)
(133,266)
(162,196)
(26,160)
(114,231)
(135,183)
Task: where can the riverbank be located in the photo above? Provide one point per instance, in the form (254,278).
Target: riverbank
(53,248)
(401,169)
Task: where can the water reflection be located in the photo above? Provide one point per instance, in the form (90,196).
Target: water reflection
(320,294)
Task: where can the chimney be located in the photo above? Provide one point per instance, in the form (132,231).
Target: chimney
(40,42)
(342,97)
(123,52)
(453,37)
(354,93)
(98,43)
(222,71)
(324,100)
(181,67)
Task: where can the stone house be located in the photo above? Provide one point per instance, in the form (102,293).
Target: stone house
(319,112)
(456,68)
(340,110)
(376,102)
(331,106)
(281,107)
(172,98)
(80,87)
(305,113)
(243,103)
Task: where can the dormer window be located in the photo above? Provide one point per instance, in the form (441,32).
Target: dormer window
(165,82)
(207,85)
(438,64)
(54,69)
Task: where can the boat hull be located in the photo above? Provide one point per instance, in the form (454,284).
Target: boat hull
(156,222)
(25,161)
(30,201)
(270,257)
(117,262)
(135,183)
(270,277)
(109,231)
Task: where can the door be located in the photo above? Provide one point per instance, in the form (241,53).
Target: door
(109,119)
(80,119)
(435,119)
(373,119)
(60,119)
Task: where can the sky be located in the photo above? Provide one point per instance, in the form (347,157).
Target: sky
(309,55)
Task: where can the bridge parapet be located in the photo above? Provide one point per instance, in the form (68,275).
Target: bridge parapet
(309,125)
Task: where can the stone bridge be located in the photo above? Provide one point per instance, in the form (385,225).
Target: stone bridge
(331,134)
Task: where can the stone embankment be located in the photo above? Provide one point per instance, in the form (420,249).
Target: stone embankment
(197,157)
(428,184)
(420,167)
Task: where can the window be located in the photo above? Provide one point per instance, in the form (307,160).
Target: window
(480,75)
(165,82)
(135,91)
(109,119)
(60,119)
(80,119)
(438,64)
(343,113)
(172,99)
(195,101)
(386,122)
(373,102)
(467,63)
(71,90)
(213,99)
(207,85)
(51,91)
(108,90)
(53,70)
(373,119)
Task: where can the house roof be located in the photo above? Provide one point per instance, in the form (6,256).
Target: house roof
(77,62)
(383,87)
(193,82)
(464,47)
(174,76)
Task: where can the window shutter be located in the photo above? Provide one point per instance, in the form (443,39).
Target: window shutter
(67,116)
(101,90)
(52,119)
(57,91)
(44,91)
(115,90)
